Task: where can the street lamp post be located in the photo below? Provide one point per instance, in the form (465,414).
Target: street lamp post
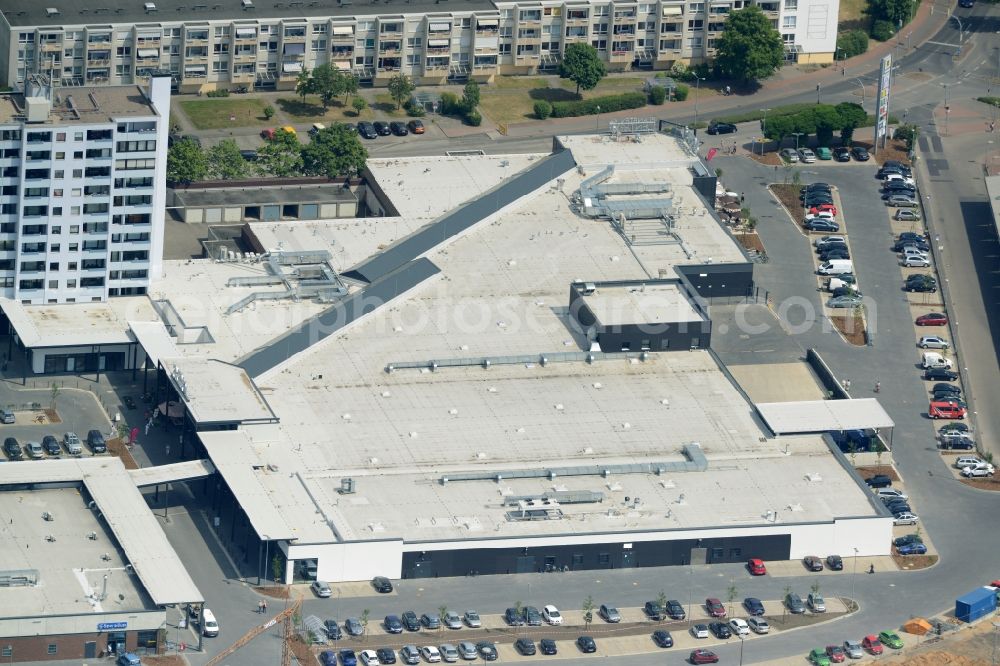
(854,576)
(863,94)
(597,128)
(797,135)
(741,649)
(947,107)
(763,131)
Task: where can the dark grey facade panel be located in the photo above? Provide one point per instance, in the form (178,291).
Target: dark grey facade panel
(718,280)
(333,319)
(581,557)
(457,221)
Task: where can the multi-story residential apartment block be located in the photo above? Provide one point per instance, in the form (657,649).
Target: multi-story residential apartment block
(266,43)
(82,190)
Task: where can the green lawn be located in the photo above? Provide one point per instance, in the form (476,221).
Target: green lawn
(852,14)
(312,110)
(607,85)
(516,82)
(216,113)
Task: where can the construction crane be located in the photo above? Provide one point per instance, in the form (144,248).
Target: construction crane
(284,616)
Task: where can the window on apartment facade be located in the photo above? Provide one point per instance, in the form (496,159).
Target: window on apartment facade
(696,24)
(788,23)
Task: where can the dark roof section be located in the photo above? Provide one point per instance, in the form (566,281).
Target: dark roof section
(103,12)
(333,319)
(453,223)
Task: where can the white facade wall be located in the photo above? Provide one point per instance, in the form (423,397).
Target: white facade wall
(84,623)
(80,222)
(364,560)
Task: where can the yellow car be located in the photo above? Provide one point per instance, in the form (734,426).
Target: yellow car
(289,129)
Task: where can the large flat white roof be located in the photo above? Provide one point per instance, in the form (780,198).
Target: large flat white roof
(77,324)
(824,415)
(640,304)
(215,391)
(121,506)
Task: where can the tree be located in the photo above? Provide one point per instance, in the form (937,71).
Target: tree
(784,606)
(852,43)
(778,128)
(225,161)
(815,586)
(365,614)
(852,116)
(588,611)
(896,12)
(583,66)
(749,49)
(731,593)
(907,134)
(268,112)
(470,96)
(359,104)
(334,151)
(327,82)
(186,162)
(661,601)
(400,88)
(54,395)
(277,567)
(826,119)
(304,84)
(282,155)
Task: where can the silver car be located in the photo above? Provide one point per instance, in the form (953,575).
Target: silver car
(472,619)
(449,653)
(467,651)
(933,342)
(806,155)
(849,301)
(6,416)
(34,450)
(907,216)
(901,201)
(854,649)
(609,613)
(452,620)
(321,589)
(916,261)
(789,155)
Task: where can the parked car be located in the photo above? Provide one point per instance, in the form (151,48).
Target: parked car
(754,606)
(367,131)
(756,567)
(900,201)
(321,589)
(381,128)
(818,657)
(72,443)
(912,549)
(369,658)
(398,127)
(348,658)
(789,155)
(51,445)
(812,563)
(547,646)
(452,620)
(978,472)
(532,617)
(382,584)
(794,603)
(946,410)
(386,656)
(932,319)
(853,649)
(703,657)
(410,621)
(721,128)
(806,155)
(817,603)
(834,563)
(663,639)
(699,630)
(720,630)
(586,644)
(890,493)
(824,153)
(836,654)
(848,301)
(739,627)
(487,650)
(822,225)
(472,619)
(467,651)
(552,615)
(95,440)
(6,416)
(675,610)
(715,607)
(968,461)
(354,627)
(430,621)
(410,654)
(758,625)
(879,481)
(332,629)
(920,286)
(609,613)
(34,450)
(654,611)
(891,639)
(513,618)
(940,374)
(842,154)
(905,519)
(525,646)
(933,342)
(859,153)
(915,261)
(416,126)
(824,208)
(430,654)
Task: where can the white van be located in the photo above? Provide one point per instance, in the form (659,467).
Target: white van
(836,267)
(935,360)
(833,284)
(209,625)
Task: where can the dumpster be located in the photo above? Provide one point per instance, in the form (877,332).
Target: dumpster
(974,605)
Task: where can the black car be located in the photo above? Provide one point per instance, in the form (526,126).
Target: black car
(816,198)
(834,563)
(720,629)
(819,186)
(333,631)
(487,650)
(382,584)
(675,610)
(957,444)
(940,374)
(918,241)
(532,617)
(922,287)
(721,128)
(920,278)
(836,253)
(860,154)
(842,154)
(386,655)
(822,225)
(12,449)
(95,440)
(586,644)
(946,396)
(879,481)
(754,606)
(381,128)
(410,621)
(896,187)
(906,540)
(654,611)
(398,128)
(547,646)
(367,130)
(663,638)
(966,4)
(51,445)
(249,155)
(513,618)
(525,646)
(393,625)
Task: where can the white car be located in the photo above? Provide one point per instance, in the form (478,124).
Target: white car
(759,625)
(431,654)
(552,615)
(899,178)
(913,251)
(978,471)
(806,155)
(933,342)
(739,627)
(369,658)
(916,261)
(884,493)
(822,215)
(699,630)
(905,518)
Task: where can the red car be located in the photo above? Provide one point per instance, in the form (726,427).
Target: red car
(824,208)
(756,567)
(416,126)
(715,608)
(932,319)
(995,583)
(872,644)
(836,653)
(945,410)
(703,657)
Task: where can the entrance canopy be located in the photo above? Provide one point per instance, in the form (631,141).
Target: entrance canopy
(816,416)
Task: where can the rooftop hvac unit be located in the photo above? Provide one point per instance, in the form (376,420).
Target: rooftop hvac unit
(346,486)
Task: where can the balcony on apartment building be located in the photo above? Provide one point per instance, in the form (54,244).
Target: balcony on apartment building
(245,35)
(294,50)
(98,57)
(391,29)
(438,46)
(390,46)
(622,52)
(437,64)
(487,26)
(440,27)
(342,33)
(483,62)
(527,54)
(196,37)
(243,73)
(388,67)
(577,16)
(529,35)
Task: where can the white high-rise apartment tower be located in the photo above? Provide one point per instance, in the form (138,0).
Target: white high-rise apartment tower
(82,189)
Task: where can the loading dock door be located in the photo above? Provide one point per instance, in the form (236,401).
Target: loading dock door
(526,564)
(699,555)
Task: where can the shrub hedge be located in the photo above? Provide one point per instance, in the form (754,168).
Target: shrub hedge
(607,104)
(542,109)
